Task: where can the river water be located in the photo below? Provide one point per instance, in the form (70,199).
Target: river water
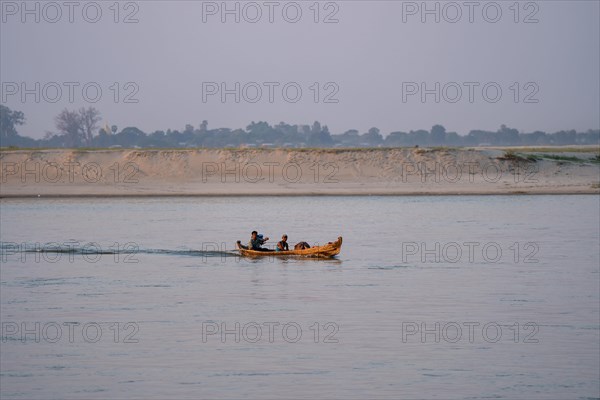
(431,297)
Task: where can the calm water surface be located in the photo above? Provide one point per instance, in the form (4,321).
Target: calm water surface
(431,297)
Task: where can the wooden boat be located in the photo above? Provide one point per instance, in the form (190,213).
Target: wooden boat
(328,250)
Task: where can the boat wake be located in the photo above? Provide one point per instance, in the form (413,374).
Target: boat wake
(92,249)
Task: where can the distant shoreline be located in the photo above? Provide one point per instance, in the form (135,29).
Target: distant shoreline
(542,148)
(158,196)
(129,173)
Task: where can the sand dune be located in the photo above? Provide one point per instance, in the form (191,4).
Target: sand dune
(203,172)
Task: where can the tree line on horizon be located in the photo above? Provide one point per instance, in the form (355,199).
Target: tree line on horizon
(80,128)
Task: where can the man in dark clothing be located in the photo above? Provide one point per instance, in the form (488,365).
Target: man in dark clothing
(256,242)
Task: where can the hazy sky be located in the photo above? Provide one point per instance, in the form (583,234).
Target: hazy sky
(371,63)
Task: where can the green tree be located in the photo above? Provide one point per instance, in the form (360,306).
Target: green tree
(419,137)
(397,139)
(438,135)
(261,132)
(77,127)
(452,139)
(507,136)
(349,138)
(131,136)
(322,137)
(89,123)
(69,127)
(8,120)
(372,137)
(204,126)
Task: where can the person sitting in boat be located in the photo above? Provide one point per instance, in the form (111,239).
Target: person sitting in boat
(256,241)
(283,244)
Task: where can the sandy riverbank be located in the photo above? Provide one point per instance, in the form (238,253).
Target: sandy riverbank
(209,172)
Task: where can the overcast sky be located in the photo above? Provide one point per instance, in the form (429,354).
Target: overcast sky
(363,64)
